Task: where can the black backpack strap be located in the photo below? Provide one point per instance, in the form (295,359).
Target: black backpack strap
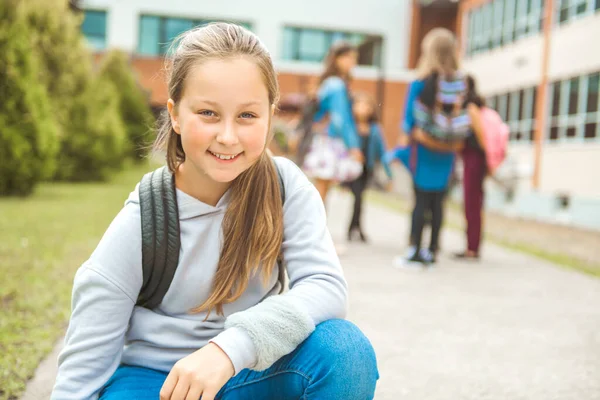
(160,235)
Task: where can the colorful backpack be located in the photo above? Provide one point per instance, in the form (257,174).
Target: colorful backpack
(447,120)
(496,134)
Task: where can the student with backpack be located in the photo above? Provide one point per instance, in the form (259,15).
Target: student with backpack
(484,150)
(373,149)
(181,300)
(435,121)
(334,155)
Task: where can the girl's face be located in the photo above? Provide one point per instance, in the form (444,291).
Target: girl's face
(362,109)
(347,61)
(223,117)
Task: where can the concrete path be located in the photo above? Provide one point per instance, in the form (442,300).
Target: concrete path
(510,327)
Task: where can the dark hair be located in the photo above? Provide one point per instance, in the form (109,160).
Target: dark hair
(472,93)
(337,50)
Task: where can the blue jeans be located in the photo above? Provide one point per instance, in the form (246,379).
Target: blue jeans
(336,362)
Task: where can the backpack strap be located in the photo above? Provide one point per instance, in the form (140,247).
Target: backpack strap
(161,240)
(160,235)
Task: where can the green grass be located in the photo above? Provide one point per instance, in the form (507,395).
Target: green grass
(561,259)
(43,240)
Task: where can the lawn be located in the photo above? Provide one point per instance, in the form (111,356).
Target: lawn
(43,240)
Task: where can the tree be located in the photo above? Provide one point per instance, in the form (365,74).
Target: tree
(92,136)
(133,103)
(97,142)
(28,134)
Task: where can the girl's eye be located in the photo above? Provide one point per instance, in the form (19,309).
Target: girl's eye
(247,115)
(207,113)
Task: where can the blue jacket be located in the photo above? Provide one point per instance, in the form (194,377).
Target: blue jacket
(432,169)
(376,150)
(334,101)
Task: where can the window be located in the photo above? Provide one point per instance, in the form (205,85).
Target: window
(568,10)
(521,19)
(591,83)
(497,22)
(500,22)
(94,28)
(157,33)
(508,34)
(312,45)
(575,109)
(592,93)
(517,109)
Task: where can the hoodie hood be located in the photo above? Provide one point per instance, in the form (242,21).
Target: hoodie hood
(189,206)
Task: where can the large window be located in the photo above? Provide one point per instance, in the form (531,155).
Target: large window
(575,111)
(517,108)
(500,22)
(568,10)
(307,44)
(157,33)
(94,28)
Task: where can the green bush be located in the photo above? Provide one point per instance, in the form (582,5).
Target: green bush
(92,135)
(28,134)
(66,61)
(97,142)
(133,103)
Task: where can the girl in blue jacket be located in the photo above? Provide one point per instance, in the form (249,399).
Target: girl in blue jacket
(373,148)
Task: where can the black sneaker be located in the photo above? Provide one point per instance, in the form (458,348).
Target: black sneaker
(410,259)
(427,256)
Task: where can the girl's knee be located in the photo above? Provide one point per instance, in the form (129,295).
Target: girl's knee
(347,359)
(344,342)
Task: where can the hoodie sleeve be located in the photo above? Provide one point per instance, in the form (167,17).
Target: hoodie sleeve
(105,290)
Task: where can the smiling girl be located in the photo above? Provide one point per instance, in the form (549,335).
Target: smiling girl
(222,331)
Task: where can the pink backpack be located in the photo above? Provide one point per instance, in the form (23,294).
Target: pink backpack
(496,138)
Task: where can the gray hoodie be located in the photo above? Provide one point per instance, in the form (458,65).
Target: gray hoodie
(107,329)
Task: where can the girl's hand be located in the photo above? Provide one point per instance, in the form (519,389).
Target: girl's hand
(202,373)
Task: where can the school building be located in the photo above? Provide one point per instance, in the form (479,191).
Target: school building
(297,33)
(538,64)
(506,44)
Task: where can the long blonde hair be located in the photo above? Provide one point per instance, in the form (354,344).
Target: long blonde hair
(439,53)
(253,222)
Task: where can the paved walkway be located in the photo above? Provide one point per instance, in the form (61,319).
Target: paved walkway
(511,327)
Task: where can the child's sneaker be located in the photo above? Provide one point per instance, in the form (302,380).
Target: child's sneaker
(411,258)
(427,256)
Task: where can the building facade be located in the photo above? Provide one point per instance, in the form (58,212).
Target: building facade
(542,78)
(539,53)
(298,34)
